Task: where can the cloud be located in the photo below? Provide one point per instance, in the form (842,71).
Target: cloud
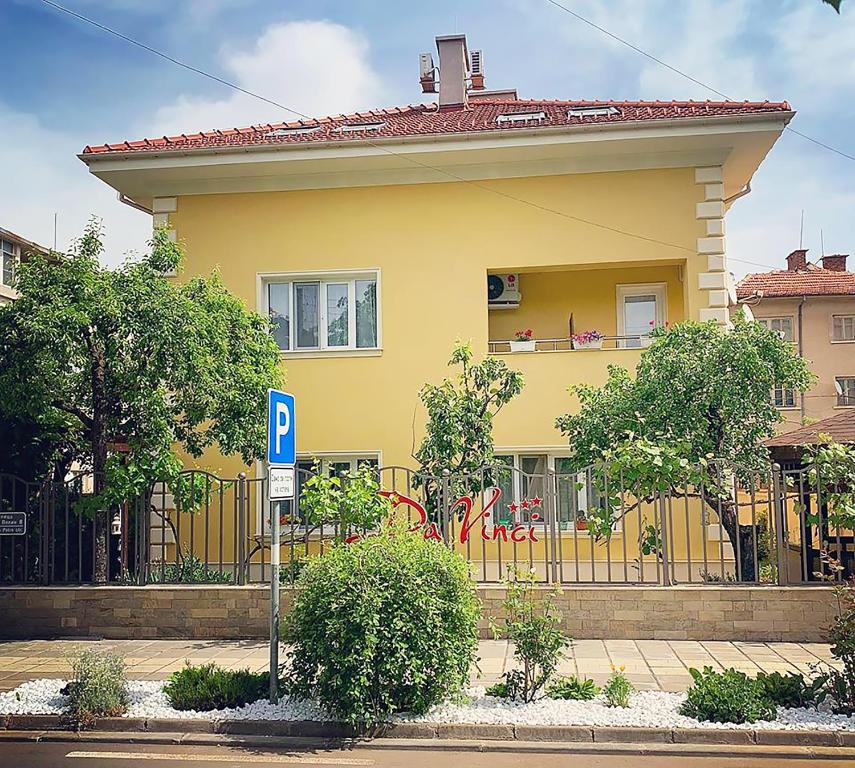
(316,67)
(43,176)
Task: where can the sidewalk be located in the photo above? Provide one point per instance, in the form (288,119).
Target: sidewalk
(649,664)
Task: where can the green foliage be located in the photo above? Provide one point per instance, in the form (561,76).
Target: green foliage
(188,570)
(350,500)
(841,636)
(792,690)
(618,689)
(834,4)
(573,688)
(289,572)
(92,356)
(831,472)
(98,687)
(499,690)
(700,392)
(210,687)
(533,625)
(727,697)
(386,624)
(459,431)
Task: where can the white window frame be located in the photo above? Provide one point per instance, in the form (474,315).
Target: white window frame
(624,291)
(551,455)
(16,256)
(843,319)
(768,321)
(323,279)
(839,391)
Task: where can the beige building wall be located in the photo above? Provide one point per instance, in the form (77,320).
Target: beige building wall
(813,336)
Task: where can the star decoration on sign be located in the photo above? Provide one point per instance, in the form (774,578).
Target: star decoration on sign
(536,501)
(525,504)
(513,507)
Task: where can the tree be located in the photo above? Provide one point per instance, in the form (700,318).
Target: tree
(695,415)
(459,432)
(92,357)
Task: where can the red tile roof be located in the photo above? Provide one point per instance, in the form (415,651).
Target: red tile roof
(428,120)
(841,428)
(811,281)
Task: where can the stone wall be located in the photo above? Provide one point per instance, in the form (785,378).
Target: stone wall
(794,614)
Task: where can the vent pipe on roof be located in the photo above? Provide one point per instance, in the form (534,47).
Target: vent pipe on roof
(835,263)
(797,260)
(453,71)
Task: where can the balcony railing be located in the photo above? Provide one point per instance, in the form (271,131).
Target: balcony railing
(503,346)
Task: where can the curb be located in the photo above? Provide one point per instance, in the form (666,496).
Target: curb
(47,727)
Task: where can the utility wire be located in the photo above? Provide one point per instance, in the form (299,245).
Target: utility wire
(443,171)
(642,52)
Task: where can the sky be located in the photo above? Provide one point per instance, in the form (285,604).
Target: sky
(65,84)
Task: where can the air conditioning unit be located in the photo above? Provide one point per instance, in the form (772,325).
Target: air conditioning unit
(503,291)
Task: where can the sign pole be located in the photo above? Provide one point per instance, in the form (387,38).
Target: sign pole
(281,462)
(274,603)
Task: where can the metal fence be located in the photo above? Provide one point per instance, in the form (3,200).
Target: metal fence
(585,526)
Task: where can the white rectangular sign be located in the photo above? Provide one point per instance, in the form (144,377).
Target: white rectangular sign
(281,483)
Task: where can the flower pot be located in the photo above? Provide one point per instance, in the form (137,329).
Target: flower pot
(581,524)
(523,346)
(593,344)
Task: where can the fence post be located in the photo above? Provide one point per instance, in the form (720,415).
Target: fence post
(241,525)
(667,579)
(47,490)
(781,533)
(551,494)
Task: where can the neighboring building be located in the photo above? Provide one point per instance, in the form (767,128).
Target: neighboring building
(814,307)
(13,248)
(372,238)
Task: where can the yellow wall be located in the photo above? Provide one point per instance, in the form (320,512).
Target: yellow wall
(433,245)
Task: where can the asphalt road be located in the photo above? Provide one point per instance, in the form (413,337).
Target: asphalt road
(82,754)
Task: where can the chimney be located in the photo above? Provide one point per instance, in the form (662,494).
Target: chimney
(797,260)
(453,71)
(835,263)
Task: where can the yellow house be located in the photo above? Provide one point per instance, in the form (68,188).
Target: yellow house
(376,240)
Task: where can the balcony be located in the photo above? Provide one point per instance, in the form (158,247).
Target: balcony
(577,309)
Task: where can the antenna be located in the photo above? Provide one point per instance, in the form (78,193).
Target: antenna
(821,243)
(55,215)
(802,230)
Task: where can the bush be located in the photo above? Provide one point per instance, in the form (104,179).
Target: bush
(534,627)
(98,688)
(190,570)
(791,690)
(211,687)
(618,689)
(841,682)
(382,625)
(727,697)
(572,688)
(499,690)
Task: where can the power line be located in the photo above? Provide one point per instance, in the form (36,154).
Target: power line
(685,75)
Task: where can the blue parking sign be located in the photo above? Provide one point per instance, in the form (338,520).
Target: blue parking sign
(281,428)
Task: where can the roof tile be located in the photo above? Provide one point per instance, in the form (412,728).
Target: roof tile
(812,281)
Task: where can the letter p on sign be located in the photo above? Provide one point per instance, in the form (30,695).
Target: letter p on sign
(281,432)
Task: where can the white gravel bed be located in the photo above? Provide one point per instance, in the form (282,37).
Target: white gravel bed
(653,709)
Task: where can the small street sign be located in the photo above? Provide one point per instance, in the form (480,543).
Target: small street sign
(281,428)
(280,483)
(13,523)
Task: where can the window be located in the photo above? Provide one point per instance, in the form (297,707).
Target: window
(335,313)
(845,386)
(9,262)
(783,325)
(350,127)
(843,328)
(520,117)
(640,308)
(295,131)
(593,112)
(783,397)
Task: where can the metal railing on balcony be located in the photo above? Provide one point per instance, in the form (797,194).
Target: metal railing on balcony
(504,346)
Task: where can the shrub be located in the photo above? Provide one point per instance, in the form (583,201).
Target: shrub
(726,697)
(190,570)
(618,689)
(388,623)
(98,688)
(499,690)
(572,688)
(841,682)
(211,687)
(534,627)
(791,690)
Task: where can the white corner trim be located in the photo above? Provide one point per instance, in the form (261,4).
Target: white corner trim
(714,191)
(719,298)
(707,245)
(712,281)
(159,220)
(716,263)
(712,209)
(708,175)
(719,315)
(715,227)
(164,205)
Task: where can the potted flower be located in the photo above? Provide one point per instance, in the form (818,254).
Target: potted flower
(588,340)
(523,342)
